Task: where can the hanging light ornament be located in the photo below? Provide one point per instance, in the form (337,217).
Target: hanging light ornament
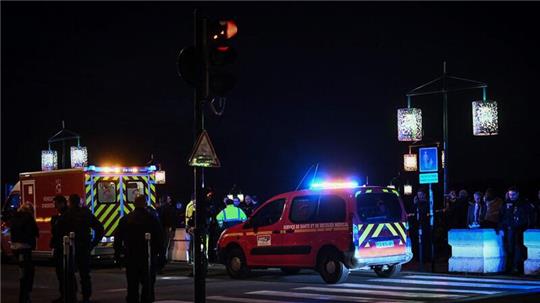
(407,189)
(79,156)
(49,160)
(409,124)
(410,162)
(485,119)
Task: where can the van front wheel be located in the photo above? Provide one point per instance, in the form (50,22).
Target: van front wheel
(332,269)
(387,271)
(236,264)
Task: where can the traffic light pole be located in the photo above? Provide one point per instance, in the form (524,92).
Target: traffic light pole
(199,268)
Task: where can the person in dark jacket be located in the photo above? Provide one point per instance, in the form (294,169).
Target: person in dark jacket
(60,203)
(81,221)
(24,232)
(476,211)
(515,218)
(129,240)
(167,216)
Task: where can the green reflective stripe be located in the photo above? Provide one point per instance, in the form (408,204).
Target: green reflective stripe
(368,191)
(103,216)
(365,233)
(100,208)
(385,190)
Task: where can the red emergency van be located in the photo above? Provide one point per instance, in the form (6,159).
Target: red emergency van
(332,228)
(109,192)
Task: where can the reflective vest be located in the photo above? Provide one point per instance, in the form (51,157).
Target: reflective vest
(230,216)
(190,210)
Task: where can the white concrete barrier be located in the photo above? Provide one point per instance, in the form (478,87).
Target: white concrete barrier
(478,250)
(181,245)
(531,240)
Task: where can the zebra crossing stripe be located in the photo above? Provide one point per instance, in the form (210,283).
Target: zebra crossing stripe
(427,289)
(450,283)
(475,279)
(245,300)
(306,295)
(416,295)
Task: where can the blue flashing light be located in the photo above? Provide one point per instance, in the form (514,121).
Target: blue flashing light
(152,168)
(333,185)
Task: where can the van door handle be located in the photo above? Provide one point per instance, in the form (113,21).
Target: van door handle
(289,231)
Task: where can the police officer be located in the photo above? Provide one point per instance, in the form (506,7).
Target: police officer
(515,218)
(231,215)
(130,241)
(24,232)
(60,203)
(80,221)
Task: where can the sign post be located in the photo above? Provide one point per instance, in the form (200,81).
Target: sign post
(429,166)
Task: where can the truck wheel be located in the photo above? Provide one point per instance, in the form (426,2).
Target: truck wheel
(387,271)
(236,264)
(331,269)
(290,270)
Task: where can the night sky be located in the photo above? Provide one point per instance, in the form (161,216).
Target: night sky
(317,83)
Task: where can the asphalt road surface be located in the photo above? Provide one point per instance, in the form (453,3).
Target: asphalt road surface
(271,286)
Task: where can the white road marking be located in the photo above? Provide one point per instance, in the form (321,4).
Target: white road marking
(172,301)
(172,278)
(449,283)
(245,300)
(417,295)
(333,298)
(474,279)
(446,290)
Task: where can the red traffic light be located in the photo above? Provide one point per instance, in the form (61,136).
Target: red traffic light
(224,30)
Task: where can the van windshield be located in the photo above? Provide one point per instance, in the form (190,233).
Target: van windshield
(378,207)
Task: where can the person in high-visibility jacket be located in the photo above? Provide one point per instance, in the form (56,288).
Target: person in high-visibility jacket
(231,215)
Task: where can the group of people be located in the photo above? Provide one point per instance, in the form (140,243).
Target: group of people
(510,217)
(219,217)
(138,244)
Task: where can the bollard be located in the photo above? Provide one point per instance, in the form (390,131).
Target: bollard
(148,238)
(65,265)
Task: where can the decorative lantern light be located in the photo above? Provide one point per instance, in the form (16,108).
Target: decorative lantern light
(160,177)
(49,160)
(407,189)
(79,156)
(410,162)
(409,124)
(485,120)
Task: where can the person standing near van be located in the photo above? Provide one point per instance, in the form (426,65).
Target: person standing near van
(231,215)
(24,232)
(80,221)
(130,240)
(60,203)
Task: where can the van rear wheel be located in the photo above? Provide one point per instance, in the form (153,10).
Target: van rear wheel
(332,269)
(387,271)
(236,264)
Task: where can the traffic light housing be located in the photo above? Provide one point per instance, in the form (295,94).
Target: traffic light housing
(216,53)
(221,56)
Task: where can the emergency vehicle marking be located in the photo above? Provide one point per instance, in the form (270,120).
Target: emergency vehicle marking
(366,234)
(264,240)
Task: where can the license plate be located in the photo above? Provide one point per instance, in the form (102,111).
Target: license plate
(382,244)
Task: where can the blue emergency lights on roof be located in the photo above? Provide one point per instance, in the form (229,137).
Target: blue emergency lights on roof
(118,170)
(333,185)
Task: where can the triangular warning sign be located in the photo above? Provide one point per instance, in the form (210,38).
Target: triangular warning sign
(203,153)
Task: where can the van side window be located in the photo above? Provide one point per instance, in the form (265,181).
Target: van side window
(317,209)
(106,191)
(331,209)
(269,213)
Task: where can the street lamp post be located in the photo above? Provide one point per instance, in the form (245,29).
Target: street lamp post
(444,90)
(484,123)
